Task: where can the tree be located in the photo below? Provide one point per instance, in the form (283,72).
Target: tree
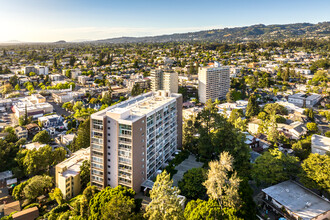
(119,207)
(68,73)
(101,200)
(315,172)
(42,137)
(191,185)
(327,134)
(13,80)
(309,113)
(107,98)
(262,116)
(235,114)
(311,126)
(17,87)
(274,166)
(84,174)
(35,161)
(57,156)
(67,106)
(72,61)
(78,106)
(37,186)
(18,190)
(275,107)
(136,90)
(189,139)
(83,136)
(230,96)
(165,203)
(200,209)
(216,135)
(252,108)
(302,148)
(219,185)
(8,88)
(57,195)
(8,151)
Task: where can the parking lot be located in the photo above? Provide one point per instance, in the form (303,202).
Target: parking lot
(183,167)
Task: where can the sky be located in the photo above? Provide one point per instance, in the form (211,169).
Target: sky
(76,20)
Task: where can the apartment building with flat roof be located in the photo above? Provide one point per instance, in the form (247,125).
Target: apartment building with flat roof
(67,173)
(213,82)
(130,141)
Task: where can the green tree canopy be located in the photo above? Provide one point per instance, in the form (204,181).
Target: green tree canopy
(42,137)
(274,166)
(165,203)
(316,172)
(191,185)
(101,200)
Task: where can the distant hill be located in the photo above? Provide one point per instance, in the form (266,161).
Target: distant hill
(257,32)
(60,42)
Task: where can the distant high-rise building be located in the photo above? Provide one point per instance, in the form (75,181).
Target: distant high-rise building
(213,82)
(132,140)
(164,80)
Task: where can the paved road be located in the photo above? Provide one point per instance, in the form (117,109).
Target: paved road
(59,110)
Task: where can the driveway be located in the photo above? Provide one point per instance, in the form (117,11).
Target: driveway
(183,167)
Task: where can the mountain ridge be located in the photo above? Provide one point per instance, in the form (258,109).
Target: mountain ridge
(255,32)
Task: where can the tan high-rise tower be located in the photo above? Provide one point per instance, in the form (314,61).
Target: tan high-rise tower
(130,141)
(164,80)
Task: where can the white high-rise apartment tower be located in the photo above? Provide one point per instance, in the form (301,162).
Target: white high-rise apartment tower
(213,82)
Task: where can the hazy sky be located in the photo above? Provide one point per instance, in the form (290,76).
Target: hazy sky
(52,20)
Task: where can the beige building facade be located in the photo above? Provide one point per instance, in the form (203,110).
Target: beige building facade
(67,173)
(164,80)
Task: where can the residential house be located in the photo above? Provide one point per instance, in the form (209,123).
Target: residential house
(21,132)
(293,201)
(51,121)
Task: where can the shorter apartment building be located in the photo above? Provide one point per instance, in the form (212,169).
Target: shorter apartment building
(21,132)
(293,201)
(56,77)
(192,112)
(67,173)
(320,144)
(304,100)
(67,96)
(40,70)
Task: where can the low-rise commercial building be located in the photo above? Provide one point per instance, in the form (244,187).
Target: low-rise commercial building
(35,106)
(304,100)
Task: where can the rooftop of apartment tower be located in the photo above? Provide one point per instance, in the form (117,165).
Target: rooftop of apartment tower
(136,107)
